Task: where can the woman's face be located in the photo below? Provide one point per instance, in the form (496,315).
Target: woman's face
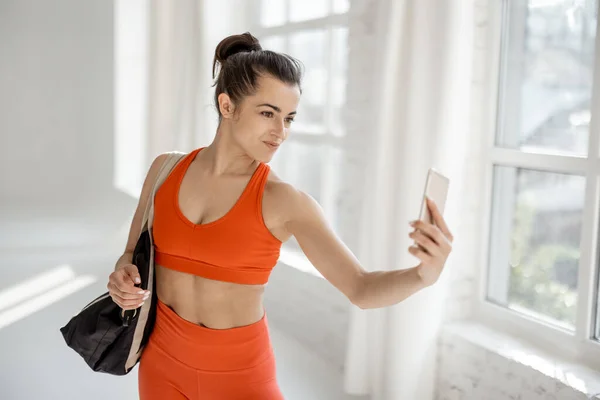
(263,120)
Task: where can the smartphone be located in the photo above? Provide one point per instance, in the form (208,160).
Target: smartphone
(436,188)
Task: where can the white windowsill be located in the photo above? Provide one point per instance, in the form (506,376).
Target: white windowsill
(578,377)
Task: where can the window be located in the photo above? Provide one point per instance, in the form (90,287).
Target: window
(316,33)
(545,171)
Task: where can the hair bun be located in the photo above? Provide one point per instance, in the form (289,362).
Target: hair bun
(236,44)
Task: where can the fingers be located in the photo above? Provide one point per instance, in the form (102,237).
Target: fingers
(126,304)
(425,242)
(122,290)
(127,295)
(420,253)
(132,273)
(124,279)
(439,219)
(433,232)
(123,286)
(127,301)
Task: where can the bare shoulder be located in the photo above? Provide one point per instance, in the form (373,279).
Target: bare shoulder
(290,203)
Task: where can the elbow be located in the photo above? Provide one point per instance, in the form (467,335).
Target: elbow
(360,305)
(357,296)
(356,301)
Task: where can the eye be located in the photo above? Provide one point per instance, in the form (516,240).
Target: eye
(267,114)
(289,120)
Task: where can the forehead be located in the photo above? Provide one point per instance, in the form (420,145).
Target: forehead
(273,91)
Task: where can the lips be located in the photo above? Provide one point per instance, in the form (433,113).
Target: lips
(272,145)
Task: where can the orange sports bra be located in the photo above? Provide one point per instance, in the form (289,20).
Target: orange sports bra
(236,248)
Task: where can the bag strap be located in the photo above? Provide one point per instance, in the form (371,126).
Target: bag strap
(165,169)
(167,166)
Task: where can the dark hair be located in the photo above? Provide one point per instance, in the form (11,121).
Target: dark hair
(242,61)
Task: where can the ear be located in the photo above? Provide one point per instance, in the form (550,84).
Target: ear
(226,106)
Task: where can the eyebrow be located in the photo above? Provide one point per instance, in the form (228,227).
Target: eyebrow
(275,108)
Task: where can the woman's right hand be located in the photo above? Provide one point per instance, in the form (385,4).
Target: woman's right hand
(122,289)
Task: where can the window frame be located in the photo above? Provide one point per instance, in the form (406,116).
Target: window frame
(579,347)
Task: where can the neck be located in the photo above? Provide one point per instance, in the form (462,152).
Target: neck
(225,157)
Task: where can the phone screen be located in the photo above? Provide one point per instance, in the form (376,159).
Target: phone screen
(436,188)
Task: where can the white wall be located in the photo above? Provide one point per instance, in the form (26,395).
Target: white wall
(56,123)
(56,96)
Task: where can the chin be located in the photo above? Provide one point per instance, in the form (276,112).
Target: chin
(265,158)
(264,155)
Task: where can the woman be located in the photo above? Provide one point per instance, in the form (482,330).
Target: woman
(221,217)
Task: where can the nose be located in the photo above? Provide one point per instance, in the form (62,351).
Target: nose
(280,128)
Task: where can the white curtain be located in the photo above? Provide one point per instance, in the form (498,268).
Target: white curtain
(423,121)
(177,75)
(183,35)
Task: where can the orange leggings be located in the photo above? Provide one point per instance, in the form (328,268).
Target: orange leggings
(183,360)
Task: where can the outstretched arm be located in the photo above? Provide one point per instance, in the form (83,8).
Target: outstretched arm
(337,264)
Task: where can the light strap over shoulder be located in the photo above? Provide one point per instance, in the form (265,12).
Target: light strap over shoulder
(136,348)
(172,159)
